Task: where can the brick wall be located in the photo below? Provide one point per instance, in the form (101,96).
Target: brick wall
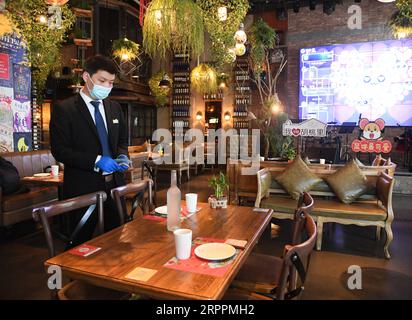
(314,28)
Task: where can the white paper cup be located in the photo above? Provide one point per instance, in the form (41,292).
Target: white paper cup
(191,202)
(183,242)
(322,161)
(55,170)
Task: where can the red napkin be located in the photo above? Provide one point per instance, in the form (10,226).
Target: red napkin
(153,218)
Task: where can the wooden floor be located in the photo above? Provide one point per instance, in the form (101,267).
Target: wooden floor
(23,250)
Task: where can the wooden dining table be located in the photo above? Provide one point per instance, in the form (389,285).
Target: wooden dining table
(147,245)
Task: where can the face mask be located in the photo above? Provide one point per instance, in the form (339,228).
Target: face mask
(98,92)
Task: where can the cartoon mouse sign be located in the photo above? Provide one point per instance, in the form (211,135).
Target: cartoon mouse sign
(371,137)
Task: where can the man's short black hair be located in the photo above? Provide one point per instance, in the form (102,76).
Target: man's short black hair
(99,62)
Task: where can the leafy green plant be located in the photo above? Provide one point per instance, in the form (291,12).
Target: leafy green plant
(222,32)
(280,146)
(263,40)
(219,184)
(43,44)
(401,21)
(161,94)
(175,25)
(122,48)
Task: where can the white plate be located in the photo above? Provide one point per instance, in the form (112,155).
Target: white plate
(215,251)
(161,210)
(41,175)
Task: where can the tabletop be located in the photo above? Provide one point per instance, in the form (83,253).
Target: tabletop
(49,179)
(146,245)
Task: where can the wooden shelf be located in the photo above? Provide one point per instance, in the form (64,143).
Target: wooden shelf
(82,12)
(83,42)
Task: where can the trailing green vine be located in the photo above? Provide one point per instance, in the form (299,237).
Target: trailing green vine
(175,25)
(43,44)
(222,32)
(161,94)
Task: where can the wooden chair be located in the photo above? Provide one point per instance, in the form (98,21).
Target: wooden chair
(76,290)
(270,277)
(135,192)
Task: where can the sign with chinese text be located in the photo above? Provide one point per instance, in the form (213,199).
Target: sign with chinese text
(307,128)
(371,140)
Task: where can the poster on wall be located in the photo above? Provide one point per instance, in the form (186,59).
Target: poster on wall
(21,81)
(6,79)
(15,47)
(4,66)
(22,141)
(6,120)
(21,116)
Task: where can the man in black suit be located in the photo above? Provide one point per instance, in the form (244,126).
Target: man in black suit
(87,132)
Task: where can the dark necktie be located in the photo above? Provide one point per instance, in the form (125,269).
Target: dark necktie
(101,129)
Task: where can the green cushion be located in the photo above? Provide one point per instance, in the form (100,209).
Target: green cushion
(297,178)
(348,183)
(358,210)
(280,204)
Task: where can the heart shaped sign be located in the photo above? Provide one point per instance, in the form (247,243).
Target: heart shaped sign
(295,131)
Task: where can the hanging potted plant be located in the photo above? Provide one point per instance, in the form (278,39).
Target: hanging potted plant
(219,185)
(222,28)
(203,79)
(401,21)
(125,49)
(161,94)
(43,42)
(175,25)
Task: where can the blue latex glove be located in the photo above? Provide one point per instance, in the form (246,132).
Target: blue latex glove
(123,162)
(107,164)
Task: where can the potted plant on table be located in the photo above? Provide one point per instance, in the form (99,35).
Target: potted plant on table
(219,184)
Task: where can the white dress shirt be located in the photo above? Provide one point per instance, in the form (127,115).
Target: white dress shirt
(91,108)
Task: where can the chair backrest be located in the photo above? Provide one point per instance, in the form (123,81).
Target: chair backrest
(91,200)
(137,190)
(264,179)
(384,188)
(305,206)
(296,260)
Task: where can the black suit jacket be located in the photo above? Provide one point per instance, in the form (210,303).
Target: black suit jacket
(74,142)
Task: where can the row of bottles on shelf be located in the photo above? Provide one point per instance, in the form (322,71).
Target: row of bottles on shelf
(180,124)
(242,78)
(178,134)
(241,124)
(180,77)
(181,101)
(181,67)
(213,96)
(240,112)
(180,55)
(243,88)
(181,90)
(180,112)
(242,64)
(242,100)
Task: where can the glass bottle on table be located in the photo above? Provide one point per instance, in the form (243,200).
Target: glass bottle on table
(173,204)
